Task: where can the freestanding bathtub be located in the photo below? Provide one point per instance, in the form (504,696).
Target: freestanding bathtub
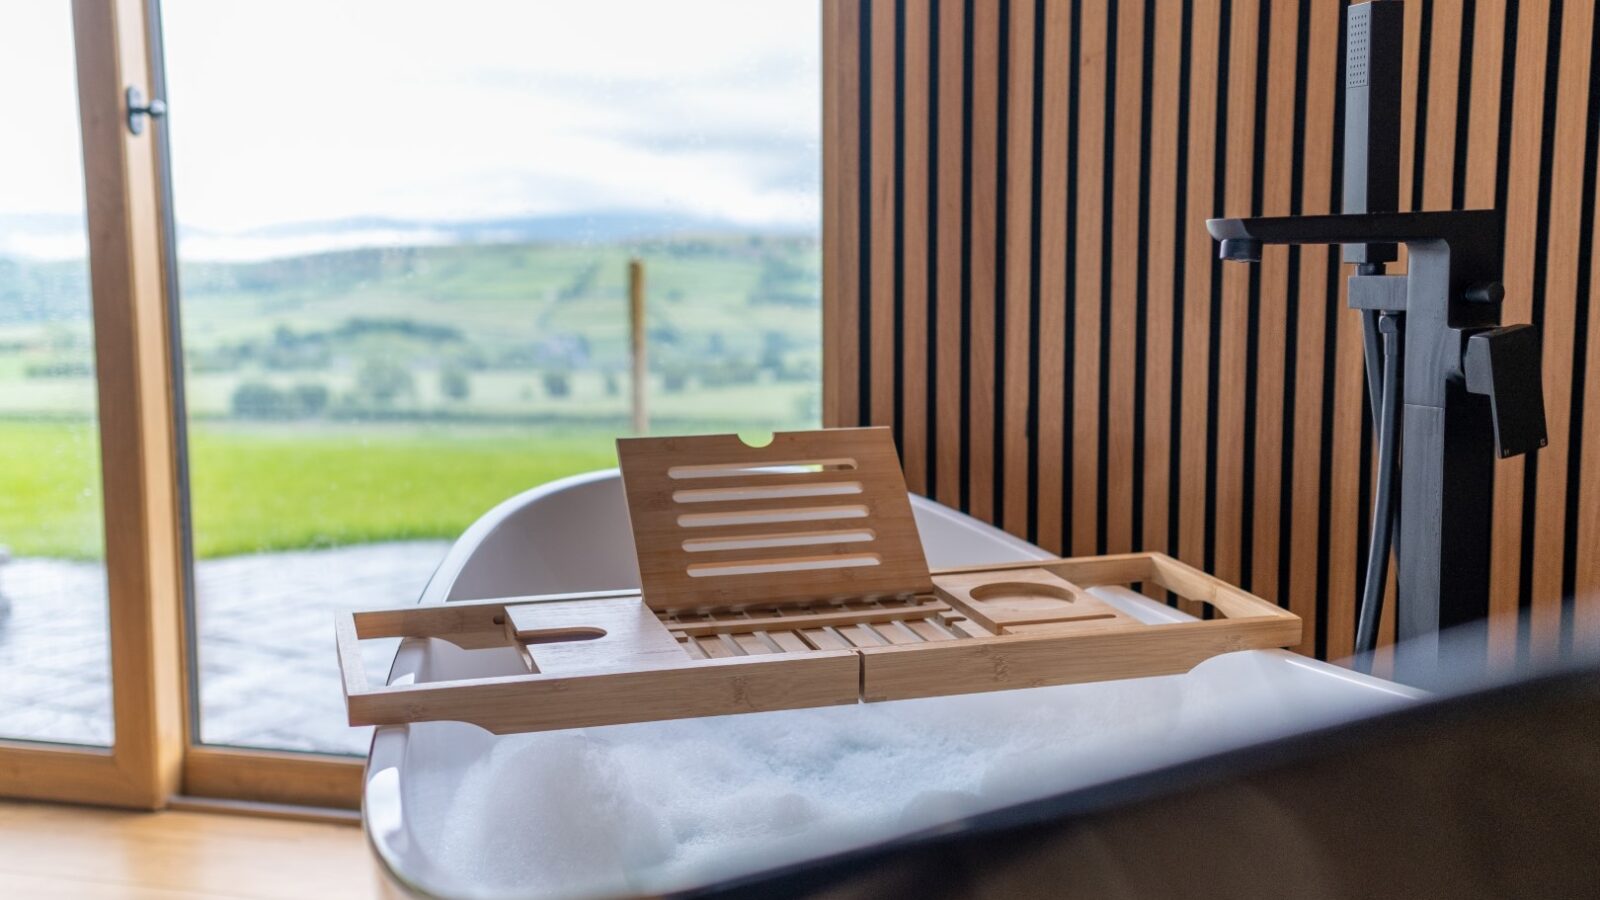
(452,811)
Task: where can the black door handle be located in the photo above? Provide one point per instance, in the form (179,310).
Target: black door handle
(139,110)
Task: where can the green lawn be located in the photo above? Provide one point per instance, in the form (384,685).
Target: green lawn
(288,487)
(50,489)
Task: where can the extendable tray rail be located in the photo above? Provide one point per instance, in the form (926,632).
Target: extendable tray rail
(792,576)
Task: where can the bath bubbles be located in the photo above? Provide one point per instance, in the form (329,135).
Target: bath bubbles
(654,806)
(658,806)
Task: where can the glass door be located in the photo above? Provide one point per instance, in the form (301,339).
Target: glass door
(404,232)
(89,706)
(55,663)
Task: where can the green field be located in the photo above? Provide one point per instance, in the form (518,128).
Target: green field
(499,333)
(385,394)
(258,489)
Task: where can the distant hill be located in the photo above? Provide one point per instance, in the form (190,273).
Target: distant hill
(43,290)
(484,259)
(599,226)
(36,238)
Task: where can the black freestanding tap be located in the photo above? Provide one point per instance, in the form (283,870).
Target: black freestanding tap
(1471,389)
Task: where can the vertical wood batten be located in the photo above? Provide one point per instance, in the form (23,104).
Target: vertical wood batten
(841,236)
(1521,211)
(1483,114)
(985,163)
(1052,174)
(1586,575)
(1159,243)
(1586,544)
(1311,446)
(915,320)
(1271,333)
(1124,260)
(1558,320)
(1090,86)
(1199,257)
(1481,189)
(1344,498)
(1017,291)
(1444,85)
(1410,66)
(1229,366)
(952,263)
(882,325)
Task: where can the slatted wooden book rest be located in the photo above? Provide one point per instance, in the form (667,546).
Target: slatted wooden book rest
(791,576)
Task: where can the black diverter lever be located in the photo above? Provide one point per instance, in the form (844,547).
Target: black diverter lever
(1504,363)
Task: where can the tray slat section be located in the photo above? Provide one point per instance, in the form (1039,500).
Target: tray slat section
(818,515)
(664,664)
(806,628)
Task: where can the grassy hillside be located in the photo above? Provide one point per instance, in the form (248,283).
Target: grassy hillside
(725,292)
(371,395)
(256,490)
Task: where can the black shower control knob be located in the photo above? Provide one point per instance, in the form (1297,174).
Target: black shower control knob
(1505,364)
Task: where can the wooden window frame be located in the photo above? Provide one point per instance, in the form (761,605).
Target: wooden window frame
(143,766)
(155,755)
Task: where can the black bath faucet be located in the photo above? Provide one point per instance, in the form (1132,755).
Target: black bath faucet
(1449,389)
(1471,390)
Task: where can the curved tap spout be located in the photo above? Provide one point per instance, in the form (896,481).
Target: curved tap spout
(1471,233)
(1455,256)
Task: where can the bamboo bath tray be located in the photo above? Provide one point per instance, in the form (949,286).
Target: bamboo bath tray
(792,576)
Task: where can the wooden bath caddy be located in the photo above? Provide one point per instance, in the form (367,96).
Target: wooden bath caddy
(791,576)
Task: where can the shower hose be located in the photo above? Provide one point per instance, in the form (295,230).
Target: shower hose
(1383,385)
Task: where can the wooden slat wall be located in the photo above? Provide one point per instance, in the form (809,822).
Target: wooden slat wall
(1017,277)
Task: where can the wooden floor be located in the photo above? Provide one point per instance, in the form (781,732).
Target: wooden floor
(49,851)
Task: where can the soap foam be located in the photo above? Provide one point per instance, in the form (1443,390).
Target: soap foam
(654,806)
(657,806)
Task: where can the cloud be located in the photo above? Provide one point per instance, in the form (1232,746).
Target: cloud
(41,155)
(496,108)
(313,110)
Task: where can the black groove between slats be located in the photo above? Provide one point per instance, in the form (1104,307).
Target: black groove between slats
(1002,157)
(1108,251)
(1035,232)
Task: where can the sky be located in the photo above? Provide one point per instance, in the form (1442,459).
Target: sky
(304,111)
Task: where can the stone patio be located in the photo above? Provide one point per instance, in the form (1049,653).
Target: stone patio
(268,675)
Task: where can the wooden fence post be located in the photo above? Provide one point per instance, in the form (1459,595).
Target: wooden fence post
(636,337)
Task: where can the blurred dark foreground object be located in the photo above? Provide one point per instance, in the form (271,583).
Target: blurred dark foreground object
(1489,794)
